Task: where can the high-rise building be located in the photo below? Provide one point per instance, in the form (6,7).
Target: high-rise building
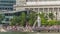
(6,9)
(7,4)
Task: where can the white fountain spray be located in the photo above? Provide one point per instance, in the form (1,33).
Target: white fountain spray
(38,20)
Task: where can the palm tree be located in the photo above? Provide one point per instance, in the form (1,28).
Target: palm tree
(32,18)
(22,18)
(51,16)
(19,20)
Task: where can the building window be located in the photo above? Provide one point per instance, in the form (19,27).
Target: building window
(11,8)
(26,8)
(6,14)
(31,9)
(55,9)
(45,9)
(50,9)
(41,9)
(59,9)
(7,19)
(5,8)
(0,8)
(31,0)
(36,9)
(26,0)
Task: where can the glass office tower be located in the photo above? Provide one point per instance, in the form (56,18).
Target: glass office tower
(7,4)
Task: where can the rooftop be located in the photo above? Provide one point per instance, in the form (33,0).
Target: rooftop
(44,3)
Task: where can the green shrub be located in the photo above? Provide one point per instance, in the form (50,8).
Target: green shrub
(52,22)
(58,22)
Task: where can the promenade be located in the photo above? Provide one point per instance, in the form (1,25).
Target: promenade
(54,28)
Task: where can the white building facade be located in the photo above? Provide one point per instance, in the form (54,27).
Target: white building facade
(45,6)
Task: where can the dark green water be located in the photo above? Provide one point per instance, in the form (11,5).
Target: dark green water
(25,33)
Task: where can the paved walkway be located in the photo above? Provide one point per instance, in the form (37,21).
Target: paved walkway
(43,33)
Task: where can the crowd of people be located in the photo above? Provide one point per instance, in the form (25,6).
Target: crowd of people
(55,28)
(31,29)
(17,28)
